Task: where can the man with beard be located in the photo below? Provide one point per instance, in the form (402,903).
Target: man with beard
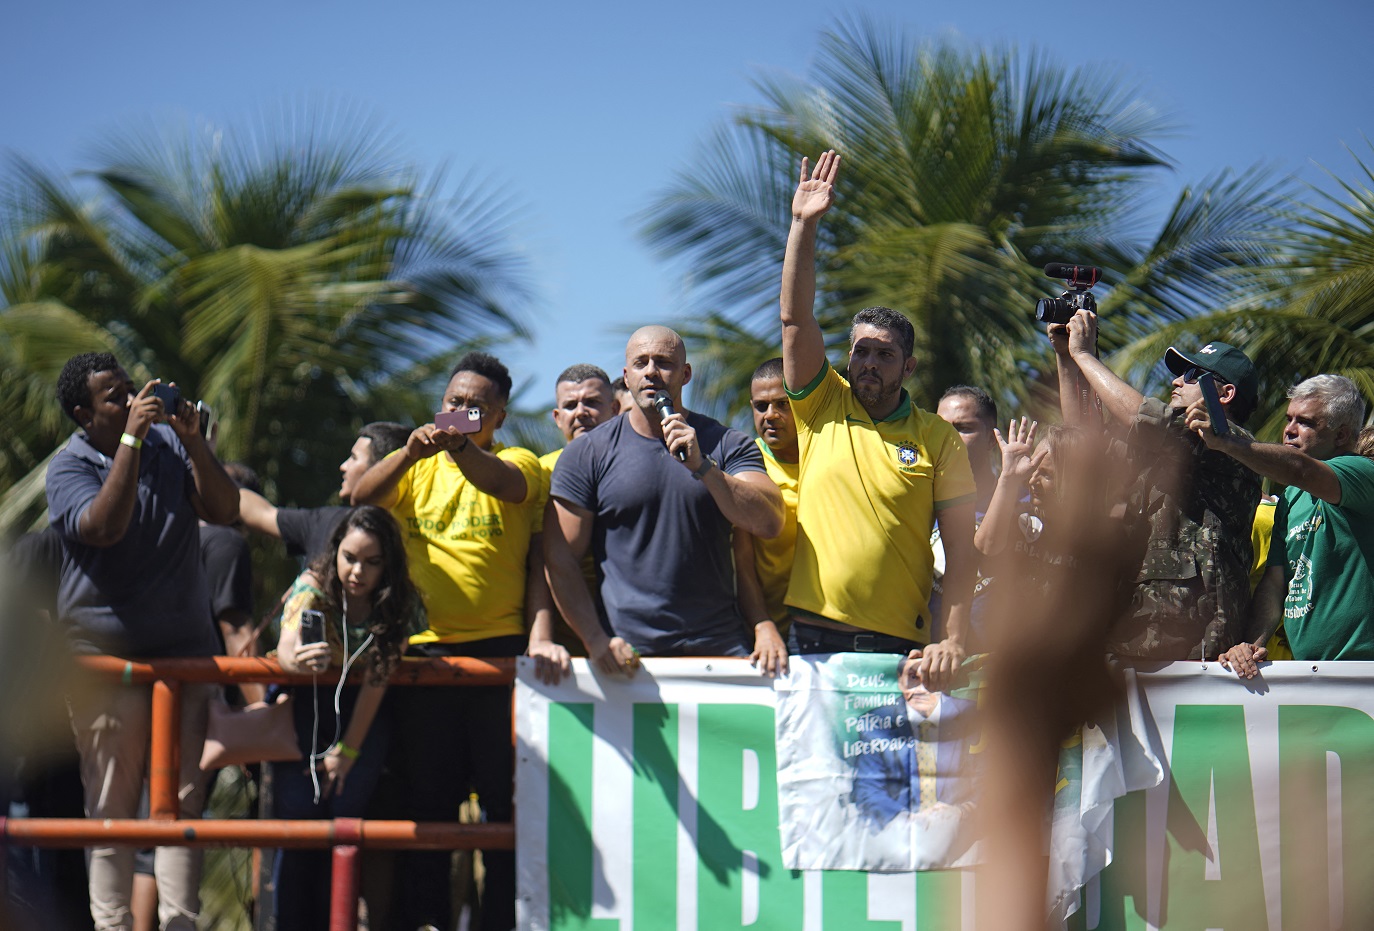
(878,472)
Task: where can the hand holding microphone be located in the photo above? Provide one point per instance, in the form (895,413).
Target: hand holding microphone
(666,410)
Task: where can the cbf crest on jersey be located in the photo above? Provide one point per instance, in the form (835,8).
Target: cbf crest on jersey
(907,455)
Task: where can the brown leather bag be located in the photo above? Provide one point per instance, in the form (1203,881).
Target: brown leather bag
(259,732)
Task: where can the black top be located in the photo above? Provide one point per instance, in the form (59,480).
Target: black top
(228,570)
(307,531)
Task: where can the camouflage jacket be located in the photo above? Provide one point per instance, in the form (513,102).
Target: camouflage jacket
(1191,509)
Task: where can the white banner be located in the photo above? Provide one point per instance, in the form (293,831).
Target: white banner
(654,803)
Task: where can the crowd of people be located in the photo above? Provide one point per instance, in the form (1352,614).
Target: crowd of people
(854,521)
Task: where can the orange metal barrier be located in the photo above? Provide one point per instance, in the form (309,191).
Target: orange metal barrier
(345,835)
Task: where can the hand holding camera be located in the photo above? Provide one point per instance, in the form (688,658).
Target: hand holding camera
(180,414)
(144,411)
(1071,318)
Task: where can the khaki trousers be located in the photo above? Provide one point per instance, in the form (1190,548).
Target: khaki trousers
(112,729)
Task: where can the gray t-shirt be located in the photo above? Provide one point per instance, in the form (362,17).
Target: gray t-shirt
(145,596)
(661,544)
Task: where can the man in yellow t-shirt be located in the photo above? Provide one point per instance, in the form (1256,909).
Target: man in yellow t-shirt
(583,399)
(876,473)
(764,567)
(468,507)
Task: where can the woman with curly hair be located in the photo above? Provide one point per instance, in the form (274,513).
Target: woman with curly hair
(359,591)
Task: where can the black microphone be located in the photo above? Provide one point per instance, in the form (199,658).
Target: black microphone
(665,409)
(1078,274)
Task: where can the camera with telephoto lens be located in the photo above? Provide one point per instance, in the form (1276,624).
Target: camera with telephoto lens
(1080,280)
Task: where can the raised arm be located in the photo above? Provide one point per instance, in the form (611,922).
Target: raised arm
(803,344)
(1075,396)
(750,501)
(106,519)
(1286,465)
(215,497)
(1120,400)
(258,514)
(488,472)
(1019,461)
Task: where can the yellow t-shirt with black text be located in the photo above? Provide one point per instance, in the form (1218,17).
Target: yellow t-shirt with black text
(773,558)
(870,493)
(467,549)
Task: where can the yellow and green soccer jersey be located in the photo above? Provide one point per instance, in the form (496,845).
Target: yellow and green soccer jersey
(869,493)
(467,549)
(773,558)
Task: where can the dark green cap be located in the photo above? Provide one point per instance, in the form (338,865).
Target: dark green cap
(1223,360)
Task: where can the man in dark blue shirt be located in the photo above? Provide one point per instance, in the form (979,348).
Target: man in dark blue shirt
(126,495)
(655,496)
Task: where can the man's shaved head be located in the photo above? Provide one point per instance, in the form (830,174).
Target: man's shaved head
(657,335)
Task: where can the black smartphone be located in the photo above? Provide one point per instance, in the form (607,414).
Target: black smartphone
(1215,412)
(312,626)
(171,398)
(464,421)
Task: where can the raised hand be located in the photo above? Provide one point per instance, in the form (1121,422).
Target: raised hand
(1018,449)
(681,439)
(185,420)
(144,409)
(421,443)
(816,190)
(1083,333)
(1059,338)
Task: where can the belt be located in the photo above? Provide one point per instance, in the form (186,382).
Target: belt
(843,641)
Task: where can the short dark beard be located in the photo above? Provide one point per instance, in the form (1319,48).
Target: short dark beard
(869,399)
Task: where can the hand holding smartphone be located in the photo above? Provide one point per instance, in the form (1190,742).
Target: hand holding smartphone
(170,395)
(312,626)
(1207,383)
(468,420)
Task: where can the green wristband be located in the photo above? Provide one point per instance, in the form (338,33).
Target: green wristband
(345,750)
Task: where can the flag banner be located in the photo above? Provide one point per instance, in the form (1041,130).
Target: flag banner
(698,795)
(874,772)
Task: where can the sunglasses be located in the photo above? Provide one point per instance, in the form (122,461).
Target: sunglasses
(1191,375)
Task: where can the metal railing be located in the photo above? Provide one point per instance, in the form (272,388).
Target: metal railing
(346,836)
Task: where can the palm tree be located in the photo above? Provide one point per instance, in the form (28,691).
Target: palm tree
(289,273)
(1310,311)
(965,170)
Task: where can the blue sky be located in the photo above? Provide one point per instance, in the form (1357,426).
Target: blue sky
(581,113)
